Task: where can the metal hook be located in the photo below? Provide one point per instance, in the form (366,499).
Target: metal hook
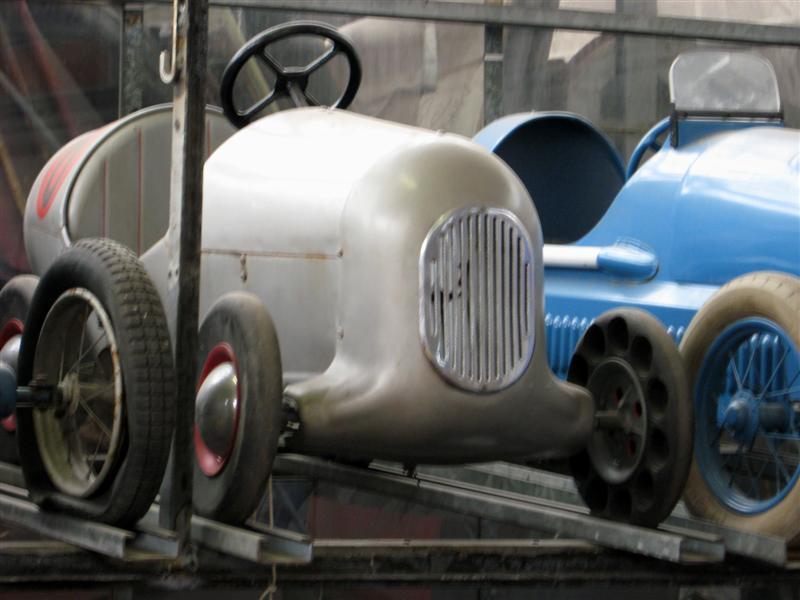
(169,76)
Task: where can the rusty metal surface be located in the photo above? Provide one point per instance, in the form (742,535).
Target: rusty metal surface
(186,207)
(536,15)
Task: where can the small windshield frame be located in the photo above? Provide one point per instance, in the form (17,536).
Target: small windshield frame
(723,82)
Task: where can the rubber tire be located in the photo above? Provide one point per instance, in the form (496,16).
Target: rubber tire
(15,300)
(773,296)
(241,320)
(114,275)
(675,420)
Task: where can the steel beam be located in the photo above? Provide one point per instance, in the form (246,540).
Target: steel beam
(260,544)
(558,488)
(519,15)
(492,73)
(11,475)
(132,67)
(508,507)
(189,54)
(97,537)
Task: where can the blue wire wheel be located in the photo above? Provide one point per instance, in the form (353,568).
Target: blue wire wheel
(747,439)
(742,353)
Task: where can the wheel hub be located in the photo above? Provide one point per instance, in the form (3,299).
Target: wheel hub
(739,416)
(10,340)
(743,414)
(217,403)
(9,353)
(216,410)
(69,396)
(620,438)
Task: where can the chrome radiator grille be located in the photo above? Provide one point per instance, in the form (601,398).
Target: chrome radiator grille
(476,298)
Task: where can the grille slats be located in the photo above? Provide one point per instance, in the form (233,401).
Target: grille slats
(476,303)
(490,304)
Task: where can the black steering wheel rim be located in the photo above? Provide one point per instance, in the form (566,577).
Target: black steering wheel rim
(290,82)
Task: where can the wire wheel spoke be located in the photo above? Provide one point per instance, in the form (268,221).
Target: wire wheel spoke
(79,438)
(751,359)
(749,471)
(779,466)
(95,419)
(774,374)
(83,354)
(735,469)
(789,389)
(756,488)
(100,392)
(732,363)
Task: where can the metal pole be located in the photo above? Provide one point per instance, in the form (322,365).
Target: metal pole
(492,70)
(132,66)
(538,15)
(186,204)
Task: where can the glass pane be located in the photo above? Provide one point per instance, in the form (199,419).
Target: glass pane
(68,67)
(59,77)
(723,81)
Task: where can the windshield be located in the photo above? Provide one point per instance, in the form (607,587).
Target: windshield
(721,81)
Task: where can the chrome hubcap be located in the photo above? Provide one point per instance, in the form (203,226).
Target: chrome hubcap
(9,353)
(216,409)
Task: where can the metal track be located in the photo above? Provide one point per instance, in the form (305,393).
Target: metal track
(558,519)
(558,488)
(143,545)
(149,542)
(538,500)
(262,544)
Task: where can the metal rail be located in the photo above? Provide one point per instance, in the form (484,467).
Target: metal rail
(537,514)
(151,542)
(261,544)
(143,545)
(558,488)
(530,15)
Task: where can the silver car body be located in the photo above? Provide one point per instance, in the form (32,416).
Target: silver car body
(324,215)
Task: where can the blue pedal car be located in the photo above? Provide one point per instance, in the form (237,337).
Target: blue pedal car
(706,236)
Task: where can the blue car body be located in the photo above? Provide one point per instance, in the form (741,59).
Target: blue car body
(718,203)
(724,202)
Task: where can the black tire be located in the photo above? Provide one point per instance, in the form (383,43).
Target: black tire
(240,321)
(15,300)
(775,298)
(114,276)
(627,357)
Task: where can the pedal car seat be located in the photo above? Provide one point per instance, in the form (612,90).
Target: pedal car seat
(570,169)
(111,182)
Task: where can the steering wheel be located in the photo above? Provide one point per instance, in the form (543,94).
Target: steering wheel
(650,141)
(290,82)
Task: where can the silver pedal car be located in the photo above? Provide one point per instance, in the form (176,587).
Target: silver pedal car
(368,289)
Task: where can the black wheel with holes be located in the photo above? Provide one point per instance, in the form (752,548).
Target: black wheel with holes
(97,336)
(15,300)
(238,410)
(635,465)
